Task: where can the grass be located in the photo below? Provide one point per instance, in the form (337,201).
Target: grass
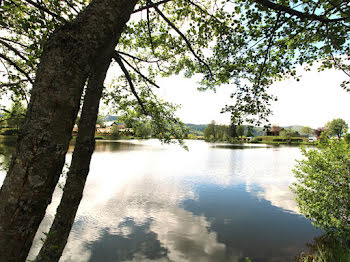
(277,140)
(326,249)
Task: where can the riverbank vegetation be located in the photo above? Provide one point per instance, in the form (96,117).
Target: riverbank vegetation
(323,195)
(326,249)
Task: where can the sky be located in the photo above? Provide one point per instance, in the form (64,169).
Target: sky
(313,101)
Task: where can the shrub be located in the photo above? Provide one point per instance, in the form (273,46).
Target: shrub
(322,188)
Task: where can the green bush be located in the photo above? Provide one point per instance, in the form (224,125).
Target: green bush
(323,186)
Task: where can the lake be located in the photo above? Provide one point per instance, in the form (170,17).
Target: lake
(144,201)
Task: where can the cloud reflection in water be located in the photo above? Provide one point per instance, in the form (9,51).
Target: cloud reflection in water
(160,203)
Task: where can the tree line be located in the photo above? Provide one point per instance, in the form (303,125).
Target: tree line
(214,132)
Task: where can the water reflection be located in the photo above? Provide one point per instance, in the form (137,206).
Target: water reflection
(144,201)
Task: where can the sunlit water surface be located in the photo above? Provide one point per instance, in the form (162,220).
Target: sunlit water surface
(144,201)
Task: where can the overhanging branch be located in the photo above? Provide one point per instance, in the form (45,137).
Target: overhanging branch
(137,71)
(15,51)
(118,59)
(44,9)
(293,12)
(17,67)
(189,46)
(148,6)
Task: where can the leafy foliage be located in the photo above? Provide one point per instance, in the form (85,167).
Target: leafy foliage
(14,116)
(337,127)
(25,25)
(322,190)
(306,130)
(247,44)
(158,115)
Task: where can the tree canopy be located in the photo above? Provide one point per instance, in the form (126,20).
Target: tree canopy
(337,127)
(244,43)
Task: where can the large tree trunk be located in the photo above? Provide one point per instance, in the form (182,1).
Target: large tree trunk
(68,57)
(79,169)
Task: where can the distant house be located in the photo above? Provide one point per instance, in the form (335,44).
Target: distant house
(274,131)
(107,128)
(110,123)
(103,130)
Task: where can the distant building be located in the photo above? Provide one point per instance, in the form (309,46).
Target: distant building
(107,128)
(312,139)
(274,131)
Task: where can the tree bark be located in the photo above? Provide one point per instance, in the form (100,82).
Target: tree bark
(68,58)
(73,191)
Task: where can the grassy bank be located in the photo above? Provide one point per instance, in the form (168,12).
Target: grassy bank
(326,249)
(278,140)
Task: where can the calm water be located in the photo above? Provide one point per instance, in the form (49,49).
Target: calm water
(145,201)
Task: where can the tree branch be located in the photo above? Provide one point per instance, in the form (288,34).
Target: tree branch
(17,67)
(339,66)
(117,58)
(44,9)
(148,6)
(293,12)
(203,11)
(72,6)
(12,84)
(189,46)
(268,48)
(150,36)
(13,41)
(138,58)
(138,71)
(16,52)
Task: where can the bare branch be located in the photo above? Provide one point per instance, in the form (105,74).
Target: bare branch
(117,58)
(189,46)
(139,72)
(299,14)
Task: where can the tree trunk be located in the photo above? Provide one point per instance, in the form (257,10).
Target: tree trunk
(68,57)
(79,169)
